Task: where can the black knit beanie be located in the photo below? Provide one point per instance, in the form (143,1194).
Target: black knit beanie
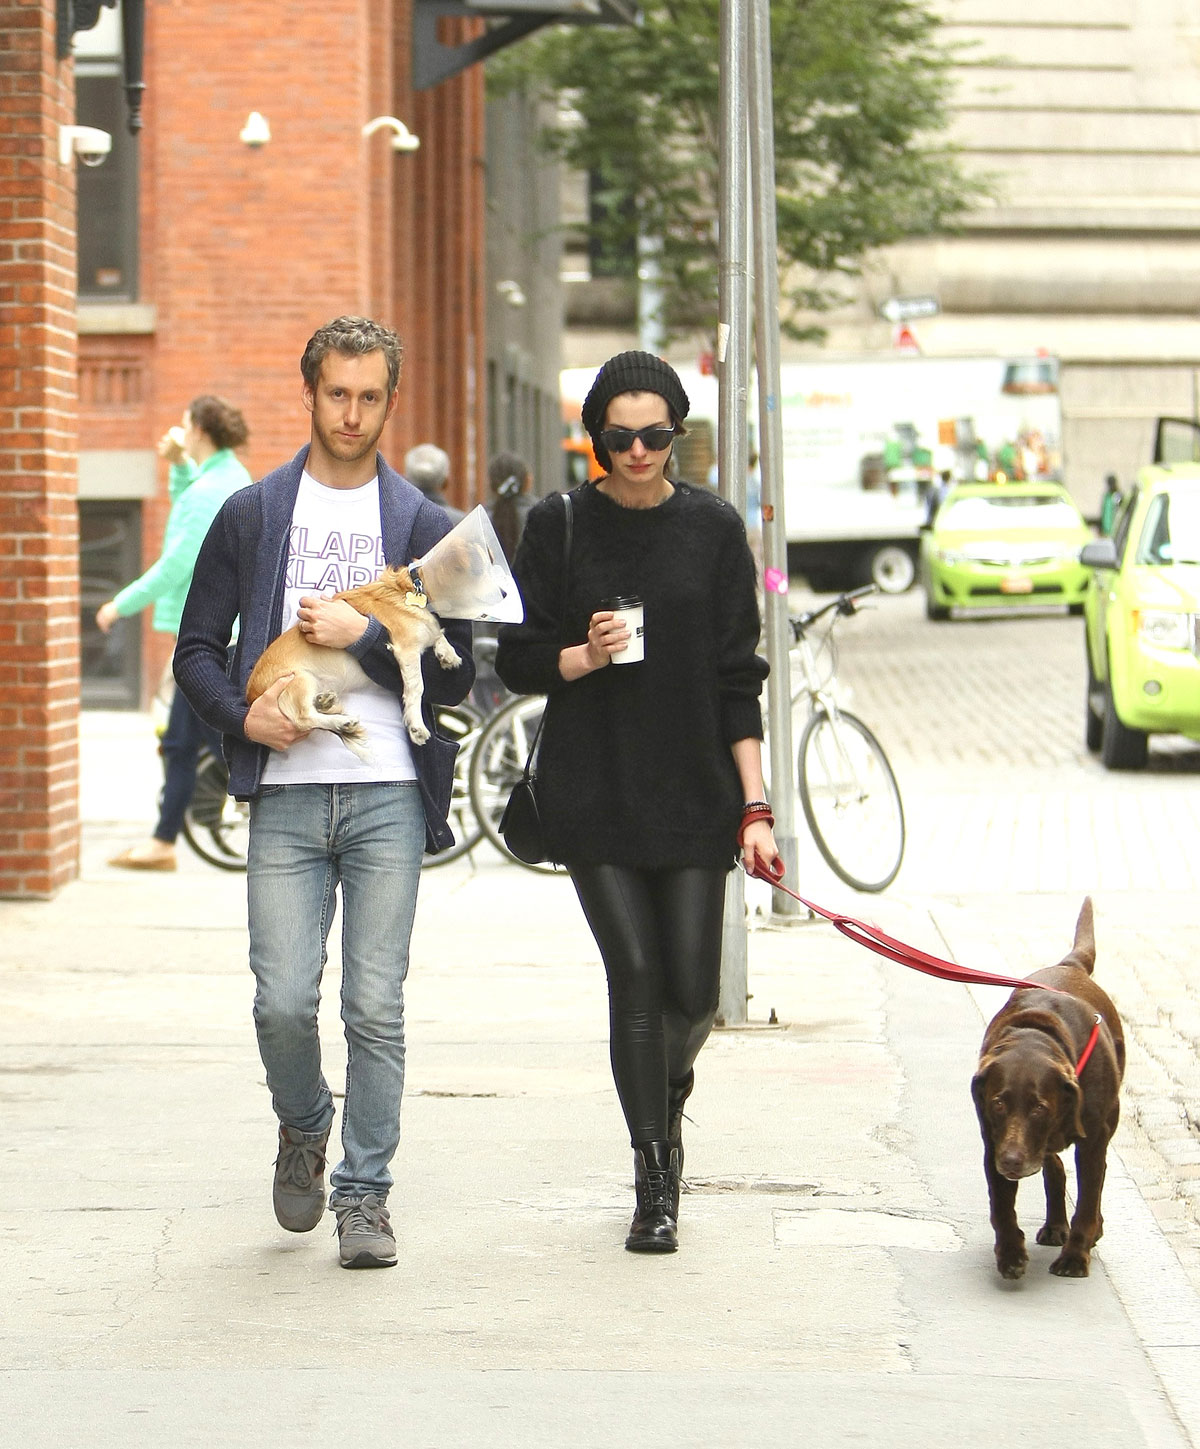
(630,372)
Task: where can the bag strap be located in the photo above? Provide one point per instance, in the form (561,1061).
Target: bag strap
(568,520)
(562,626)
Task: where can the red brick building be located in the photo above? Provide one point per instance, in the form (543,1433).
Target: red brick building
(240,251)
(39,655)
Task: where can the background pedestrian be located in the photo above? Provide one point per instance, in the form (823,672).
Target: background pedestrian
(509,481)
(204,471)
(428,467)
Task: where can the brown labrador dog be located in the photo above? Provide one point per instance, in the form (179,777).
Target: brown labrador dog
(1033,1104)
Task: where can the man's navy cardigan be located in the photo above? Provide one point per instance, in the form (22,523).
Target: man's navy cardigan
(239,575)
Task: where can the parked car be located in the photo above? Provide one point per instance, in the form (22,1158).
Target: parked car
(993,545)
(1142,614)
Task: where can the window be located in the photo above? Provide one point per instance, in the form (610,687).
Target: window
(107,194)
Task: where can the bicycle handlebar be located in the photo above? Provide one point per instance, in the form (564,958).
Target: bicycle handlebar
(845,604)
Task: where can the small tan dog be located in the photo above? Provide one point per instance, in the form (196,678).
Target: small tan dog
(311,699)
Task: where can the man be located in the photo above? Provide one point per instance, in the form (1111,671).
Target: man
(328,520)
(428,466)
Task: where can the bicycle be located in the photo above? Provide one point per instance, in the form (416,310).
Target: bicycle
(847,788)
(215,825)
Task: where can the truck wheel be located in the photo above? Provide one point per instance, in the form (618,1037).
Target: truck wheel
(890,568)
(1120,748)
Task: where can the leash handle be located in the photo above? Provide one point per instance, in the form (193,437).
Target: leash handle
(884,945)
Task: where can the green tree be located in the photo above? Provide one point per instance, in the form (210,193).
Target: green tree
(860,93)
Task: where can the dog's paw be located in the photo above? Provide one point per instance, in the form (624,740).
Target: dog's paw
(1012,1262)
(1053,1235)
(449,657)
(418,734)
(1071,1265)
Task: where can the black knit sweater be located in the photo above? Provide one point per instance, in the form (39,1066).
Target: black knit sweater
(635,765)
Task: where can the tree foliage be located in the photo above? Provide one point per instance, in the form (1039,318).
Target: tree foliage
(860,102)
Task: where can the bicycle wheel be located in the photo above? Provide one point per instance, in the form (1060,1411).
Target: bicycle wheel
(458,722)
(851,800)
(496,765)
(216,826)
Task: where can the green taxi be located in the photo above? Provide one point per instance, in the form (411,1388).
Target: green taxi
(996,545)
(1142,615)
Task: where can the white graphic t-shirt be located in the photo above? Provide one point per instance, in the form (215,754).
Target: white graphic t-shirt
(336,543)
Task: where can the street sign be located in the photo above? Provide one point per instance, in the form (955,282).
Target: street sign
(904,309)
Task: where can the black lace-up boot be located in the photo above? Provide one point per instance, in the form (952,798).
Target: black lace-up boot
(677,1095)
(656,1181)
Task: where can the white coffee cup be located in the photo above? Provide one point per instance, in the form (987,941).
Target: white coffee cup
(631,613)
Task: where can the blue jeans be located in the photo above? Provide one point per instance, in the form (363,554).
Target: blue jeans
(304,840)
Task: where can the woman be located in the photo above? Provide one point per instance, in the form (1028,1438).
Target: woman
(204,472)
(650,773)
(509,479)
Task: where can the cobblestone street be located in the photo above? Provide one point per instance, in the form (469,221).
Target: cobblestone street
(1011,822)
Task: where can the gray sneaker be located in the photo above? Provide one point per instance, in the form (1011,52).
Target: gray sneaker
(299,1191)
(365,1237)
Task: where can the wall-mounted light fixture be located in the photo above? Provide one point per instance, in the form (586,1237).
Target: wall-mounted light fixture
(256,132)
(402,138)
(512,292)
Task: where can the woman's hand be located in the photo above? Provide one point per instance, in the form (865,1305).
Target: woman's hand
(170,446)
(607,635)
(758,840)
(331,622)
(106,616)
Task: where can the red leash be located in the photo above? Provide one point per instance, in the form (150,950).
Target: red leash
(884,945)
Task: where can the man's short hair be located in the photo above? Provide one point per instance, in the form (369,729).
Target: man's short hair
(352,337)
(427,465)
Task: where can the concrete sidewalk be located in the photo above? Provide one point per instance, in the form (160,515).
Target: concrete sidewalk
(834,1284)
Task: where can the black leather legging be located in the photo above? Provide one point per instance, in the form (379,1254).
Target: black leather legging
(659,933)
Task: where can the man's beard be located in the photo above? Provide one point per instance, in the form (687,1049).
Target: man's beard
(343,450)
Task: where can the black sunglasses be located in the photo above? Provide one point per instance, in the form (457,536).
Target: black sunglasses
(654,439)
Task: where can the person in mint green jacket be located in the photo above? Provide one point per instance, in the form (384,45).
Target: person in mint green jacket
(204,472)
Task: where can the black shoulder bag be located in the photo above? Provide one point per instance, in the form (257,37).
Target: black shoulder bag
(521,824)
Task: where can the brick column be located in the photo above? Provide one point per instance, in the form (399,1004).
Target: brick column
(39,554)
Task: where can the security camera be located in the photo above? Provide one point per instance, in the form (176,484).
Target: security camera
(87,142)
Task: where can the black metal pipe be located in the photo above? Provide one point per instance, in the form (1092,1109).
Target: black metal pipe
(133,38)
